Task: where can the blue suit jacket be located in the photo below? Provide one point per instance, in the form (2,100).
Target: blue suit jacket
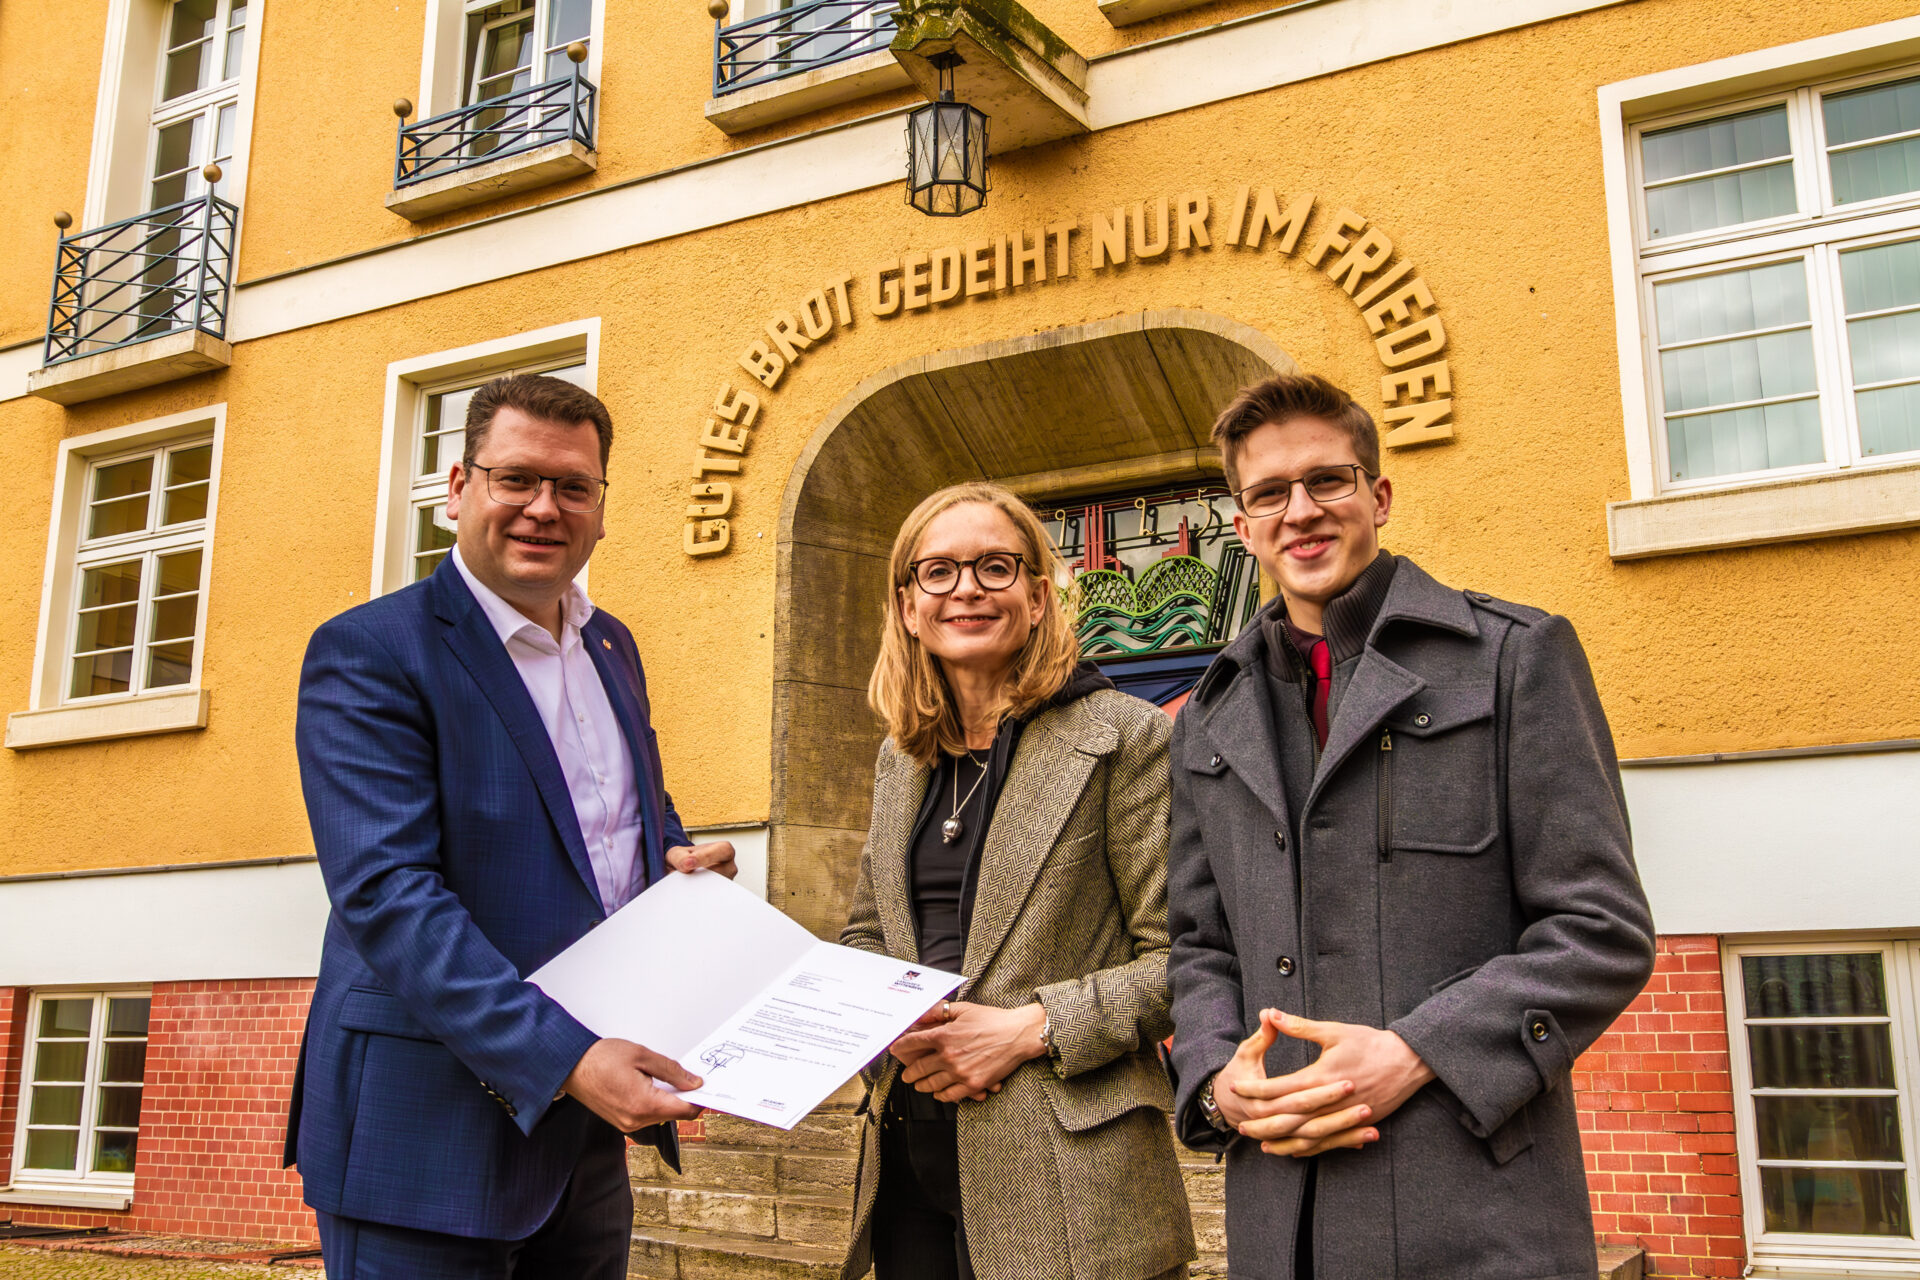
(455,867)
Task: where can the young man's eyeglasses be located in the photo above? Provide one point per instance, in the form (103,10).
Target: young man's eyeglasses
(518,487)
(995,571)
(1322,484)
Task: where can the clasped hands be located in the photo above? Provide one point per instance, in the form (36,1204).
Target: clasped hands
(615,1078)
(960,1050)
(1362,1076)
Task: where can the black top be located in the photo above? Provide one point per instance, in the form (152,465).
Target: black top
(940,865)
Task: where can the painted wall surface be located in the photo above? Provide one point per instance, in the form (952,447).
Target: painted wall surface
(1480,160)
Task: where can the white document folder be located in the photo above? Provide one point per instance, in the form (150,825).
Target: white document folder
(772,1019)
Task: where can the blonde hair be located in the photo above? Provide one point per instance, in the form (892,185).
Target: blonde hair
(909,691)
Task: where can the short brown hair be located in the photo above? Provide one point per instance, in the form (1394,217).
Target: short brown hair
(1281,399)
(537,396)
(908,690)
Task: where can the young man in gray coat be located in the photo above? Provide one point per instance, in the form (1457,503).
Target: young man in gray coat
(1401,893)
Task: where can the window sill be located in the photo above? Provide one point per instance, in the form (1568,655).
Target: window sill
(145,364)
(101,721)
(523,171)
(765,104)
(67,1197)
(1863,500)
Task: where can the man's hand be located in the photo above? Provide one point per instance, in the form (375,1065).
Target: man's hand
(1377,1068)
(714,855)
(968,1056)
(615,1080)
(1242,1091)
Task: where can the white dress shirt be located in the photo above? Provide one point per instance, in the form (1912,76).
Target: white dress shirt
(574,706)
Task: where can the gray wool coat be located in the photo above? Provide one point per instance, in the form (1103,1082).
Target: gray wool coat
(1460,872)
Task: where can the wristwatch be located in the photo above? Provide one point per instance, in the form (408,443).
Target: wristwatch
(1211,1109)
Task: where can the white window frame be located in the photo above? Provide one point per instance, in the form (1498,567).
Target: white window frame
(409,383)
(1782,1254)
(52,718)
(56,1183)
(1791,74)
(445,59)
(127,107)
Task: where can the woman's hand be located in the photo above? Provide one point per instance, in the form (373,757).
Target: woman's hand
(969,1055)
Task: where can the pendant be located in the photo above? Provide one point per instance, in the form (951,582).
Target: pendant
(950,830)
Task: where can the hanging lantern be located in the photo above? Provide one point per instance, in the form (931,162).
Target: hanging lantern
(946,151)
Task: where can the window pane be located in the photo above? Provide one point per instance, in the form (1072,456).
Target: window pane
(169,664)
(103,673)
(177,146)
(186,504)
(125,1061)
(1889,420)
(120,1108)
(184,465)
(1775,364)
(55,1104)
(120,494)
(236,39)
(1867,173)
(117,516)
(114,1152)
(1726,199)
(445,433)
(1828,1128)
(192,20)
(433,537)
(65,1019)
(128,1016)
(1855,1202)
(110,584)
(188,62)
(1732,302)
(1881,278)
(1891,168)
(173,618)
(223,122)
(123,479)
(569,20)
(1822,1057)
(1810,986)
(1885,348)
(179,572)
(62,1062)
(105,629)
(52,1149)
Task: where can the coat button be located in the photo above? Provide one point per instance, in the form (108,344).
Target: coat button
(1214,763)
(1423,720)
(1538,1030)
(1280,838)
(1285,965)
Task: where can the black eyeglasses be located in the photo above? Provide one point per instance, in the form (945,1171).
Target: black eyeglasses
(518,487)
(994,571)
(1322,484)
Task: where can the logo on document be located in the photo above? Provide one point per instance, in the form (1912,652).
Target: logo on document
(908,981)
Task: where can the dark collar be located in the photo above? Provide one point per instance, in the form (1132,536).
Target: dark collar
(1348,619)
(1409,594)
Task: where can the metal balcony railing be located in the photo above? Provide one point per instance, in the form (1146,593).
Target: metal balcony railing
(143,277)
(790,42)
(496,128)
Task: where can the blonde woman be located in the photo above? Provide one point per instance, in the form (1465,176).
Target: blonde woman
(1019,837)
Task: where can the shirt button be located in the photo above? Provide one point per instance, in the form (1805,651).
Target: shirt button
(1285,965)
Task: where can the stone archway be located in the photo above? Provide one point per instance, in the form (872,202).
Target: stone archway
(1119,402)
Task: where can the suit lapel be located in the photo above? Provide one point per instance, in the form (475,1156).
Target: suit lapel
(473,641)
(1379,685)
(1044,780)
(1239,726)
(623,692)
(898,791)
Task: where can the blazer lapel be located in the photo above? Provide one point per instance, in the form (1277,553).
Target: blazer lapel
(898,791)
(1379,685)
(473,641)
(1046,777)
(622,692)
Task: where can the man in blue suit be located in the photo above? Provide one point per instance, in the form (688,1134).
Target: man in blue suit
(484,787)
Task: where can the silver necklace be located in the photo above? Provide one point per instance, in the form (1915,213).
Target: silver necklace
(951,829)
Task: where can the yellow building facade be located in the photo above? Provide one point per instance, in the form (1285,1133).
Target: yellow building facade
(1623,283)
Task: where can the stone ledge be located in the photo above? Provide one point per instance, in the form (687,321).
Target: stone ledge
(144,364)
(765,104)
(68,1197)
(521,171)
(1031,83)
(134,717)
(1123,13)
(1862,500)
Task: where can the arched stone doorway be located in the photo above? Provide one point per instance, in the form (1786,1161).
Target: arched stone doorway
(1125,401)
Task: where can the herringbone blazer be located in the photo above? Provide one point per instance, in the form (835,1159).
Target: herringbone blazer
(1068,1171)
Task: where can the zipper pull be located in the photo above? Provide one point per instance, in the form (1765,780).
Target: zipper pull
(1386,739)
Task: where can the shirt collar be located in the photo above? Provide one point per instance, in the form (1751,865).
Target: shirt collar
(508,621)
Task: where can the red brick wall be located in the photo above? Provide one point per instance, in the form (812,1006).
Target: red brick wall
(220,1060)
(13,1025)
(1656,1115)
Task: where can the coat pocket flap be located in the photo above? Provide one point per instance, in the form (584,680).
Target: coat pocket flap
(1437,710)
(1092,1099)
(1201,758)
(380,1013)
